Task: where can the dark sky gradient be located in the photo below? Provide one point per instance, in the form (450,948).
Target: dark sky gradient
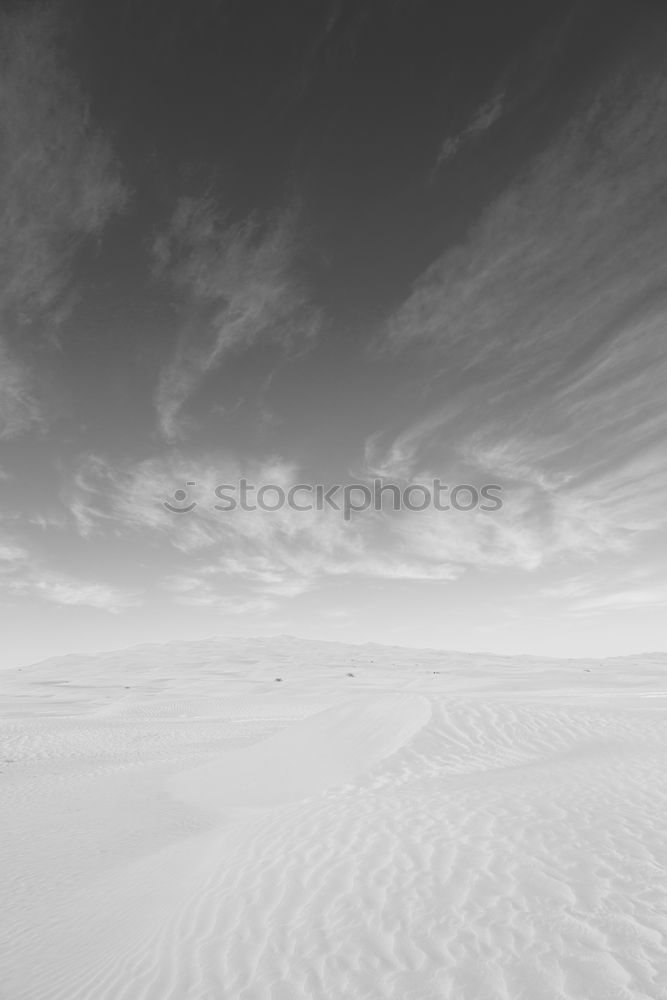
(318,242)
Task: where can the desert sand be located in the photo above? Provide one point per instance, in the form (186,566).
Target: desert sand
(378,824)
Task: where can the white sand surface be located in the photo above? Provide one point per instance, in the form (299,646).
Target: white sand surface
(177,824)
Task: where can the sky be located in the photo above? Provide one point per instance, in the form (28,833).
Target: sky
(329,243)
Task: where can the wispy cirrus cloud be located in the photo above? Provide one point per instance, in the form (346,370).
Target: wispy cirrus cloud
(31,571)
(59,588)
(622,600)
(239,286)
(25,575)
(212,555)
(544,333)
(486,115)
(521,80)
(59,180)
(59,185)
(564,260)
(11,553)
(19,409)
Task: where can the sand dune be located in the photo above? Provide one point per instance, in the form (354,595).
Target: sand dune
(181,826)
(325,749)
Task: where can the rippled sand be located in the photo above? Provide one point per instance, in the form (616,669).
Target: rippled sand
(179,825)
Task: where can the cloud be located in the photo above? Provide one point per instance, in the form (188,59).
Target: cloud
(541,345)
(624,600)
(641,588)
(18,407)
(528,74)
(59,588)
(542,339)
(485,116)
(24,575)
(58,185)
(58,178)
(210,557)
(11,553)
(239,286)
(400,456)
(555,267)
